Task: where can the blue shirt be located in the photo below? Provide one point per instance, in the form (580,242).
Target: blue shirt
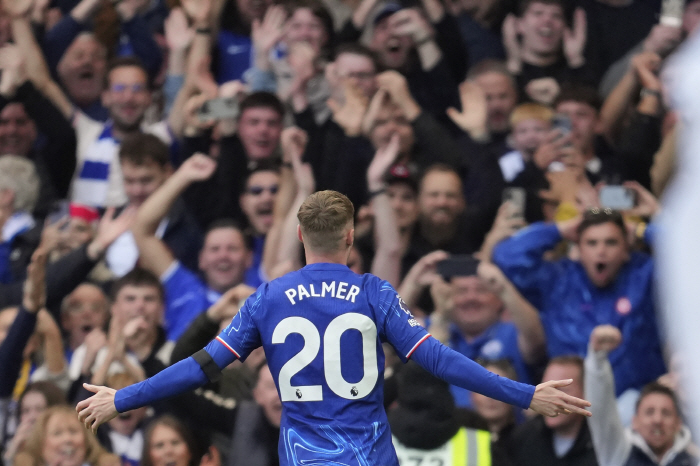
(571,306)
(235,56)
(186,296)
(500,341)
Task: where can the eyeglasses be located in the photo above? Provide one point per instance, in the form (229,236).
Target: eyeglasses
(258,190)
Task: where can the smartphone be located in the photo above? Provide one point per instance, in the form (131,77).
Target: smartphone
(59,211)
(672,12)
(516,196)
(562,123)
(219,109)
(617,197)
(462,265)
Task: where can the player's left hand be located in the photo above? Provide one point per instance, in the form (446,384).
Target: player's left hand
(97,409)
(549,401)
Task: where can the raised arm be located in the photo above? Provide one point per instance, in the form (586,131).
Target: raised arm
(386,263)
(188,374)
(457,369)
(612,447)
(531,338)
(37,69)
(290,247)
(153,253)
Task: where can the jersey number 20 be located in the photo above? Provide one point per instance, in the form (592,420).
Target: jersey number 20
(331,357)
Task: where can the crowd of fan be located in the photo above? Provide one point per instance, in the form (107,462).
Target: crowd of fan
(154,153)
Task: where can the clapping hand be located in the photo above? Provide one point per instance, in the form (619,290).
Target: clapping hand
(472,119)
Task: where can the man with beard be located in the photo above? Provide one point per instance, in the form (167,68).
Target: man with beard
(99,180)
(223,259)
(442,219)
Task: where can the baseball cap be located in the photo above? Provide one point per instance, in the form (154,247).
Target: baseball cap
(386,11)
(402,173)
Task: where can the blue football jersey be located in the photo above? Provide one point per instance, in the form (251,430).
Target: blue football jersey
(322,329)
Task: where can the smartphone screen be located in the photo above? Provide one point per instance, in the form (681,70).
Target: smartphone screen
(617,197)
(219,109)
(462,265)
(516,196)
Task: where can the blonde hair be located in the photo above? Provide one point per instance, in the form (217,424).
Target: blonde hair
(531,111)
(324,218)
(34,447)
(18,174)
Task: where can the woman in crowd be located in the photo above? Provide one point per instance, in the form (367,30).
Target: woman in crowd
(58,437)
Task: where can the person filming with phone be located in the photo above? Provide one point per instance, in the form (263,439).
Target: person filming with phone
(608,284)
(471,300)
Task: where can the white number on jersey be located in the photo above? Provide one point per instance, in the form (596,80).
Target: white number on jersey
(331,357)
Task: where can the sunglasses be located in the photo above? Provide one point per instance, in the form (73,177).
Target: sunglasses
(258,190)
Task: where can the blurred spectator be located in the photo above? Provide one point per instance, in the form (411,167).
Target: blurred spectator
(223,260)
(541,50)
(561,440)
(82,311)
(426,426)
(468,317)
(614,28)
(31,126)
(233,45)
(37,397)
(404,40)
(124,435)
(530,123)
(658,435)
(16,329)
(258,203)
(442,221)
(662,40)
(145,165)
(79,57)
(20,234)
(609,283)
(500,417)
(168,442)
(60,437)
(488,97)
(290,55)
(127,95)
(256,140)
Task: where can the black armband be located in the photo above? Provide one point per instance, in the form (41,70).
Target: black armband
(209,367)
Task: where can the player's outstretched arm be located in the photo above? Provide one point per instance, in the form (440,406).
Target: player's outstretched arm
(183,376)
(457,369)
(97,409)
(548,400)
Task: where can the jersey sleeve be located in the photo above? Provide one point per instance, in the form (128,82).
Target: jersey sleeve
(241,336)
(396,324)
(457,369)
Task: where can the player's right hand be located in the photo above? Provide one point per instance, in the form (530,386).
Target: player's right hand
(549,401)
(97,409)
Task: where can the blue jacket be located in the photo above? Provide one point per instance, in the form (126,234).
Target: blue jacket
(571,306)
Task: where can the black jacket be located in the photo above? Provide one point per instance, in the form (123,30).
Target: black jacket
(533,445)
